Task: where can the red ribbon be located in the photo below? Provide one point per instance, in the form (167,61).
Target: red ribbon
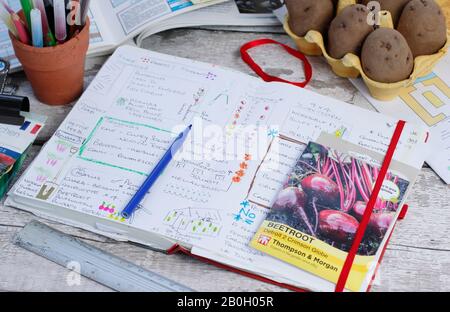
(266,77)
(369,208)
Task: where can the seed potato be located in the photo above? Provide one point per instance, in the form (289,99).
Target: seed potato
(306,15)
(386,56)
(423,25)
(348,31)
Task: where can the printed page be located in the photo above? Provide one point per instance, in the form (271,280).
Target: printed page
(127,18)
(427,102)
(222,14)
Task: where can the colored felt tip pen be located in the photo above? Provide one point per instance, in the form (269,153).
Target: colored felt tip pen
(22,32)
(59,9)
(27,6)
(49,38)
(37,35)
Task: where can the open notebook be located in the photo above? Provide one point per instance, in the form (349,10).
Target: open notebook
(247,136)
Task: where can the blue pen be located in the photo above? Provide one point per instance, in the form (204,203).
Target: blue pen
(154,175)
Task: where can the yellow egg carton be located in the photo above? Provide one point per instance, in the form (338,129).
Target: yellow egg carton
(350,65)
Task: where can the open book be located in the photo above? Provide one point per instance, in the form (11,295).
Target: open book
(247,136)
(114,22)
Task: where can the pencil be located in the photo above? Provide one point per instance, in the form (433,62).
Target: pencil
(22,32)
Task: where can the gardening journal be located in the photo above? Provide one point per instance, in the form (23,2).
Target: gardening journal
(270,174)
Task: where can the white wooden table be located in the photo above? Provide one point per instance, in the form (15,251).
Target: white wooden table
(418,257)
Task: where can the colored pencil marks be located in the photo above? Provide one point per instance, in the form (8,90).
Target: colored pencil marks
(111,211)
(196,222)
(125,145)
(252,110)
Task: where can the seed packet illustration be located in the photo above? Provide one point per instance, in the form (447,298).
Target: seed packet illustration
(315,216)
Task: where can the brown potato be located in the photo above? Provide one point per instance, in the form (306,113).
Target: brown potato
(348,31)
(386,56)
(306,15)
(395,7)
(423,25)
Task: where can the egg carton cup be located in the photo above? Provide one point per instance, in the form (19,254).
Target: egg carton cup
(350,65)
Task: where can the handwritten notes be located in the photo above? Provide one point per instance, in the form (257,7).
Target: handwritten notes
(314,114)
(273,172)
(126,145)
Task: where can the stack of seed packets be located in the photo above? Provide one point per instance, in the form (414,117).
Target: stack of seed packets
(15,142)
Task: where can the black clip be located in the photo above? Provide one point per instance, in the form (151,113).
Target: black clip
(11,105)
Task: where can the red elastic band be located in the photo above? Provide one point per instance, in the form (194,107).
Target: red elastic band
(403,212)
(340,285)
(266,77)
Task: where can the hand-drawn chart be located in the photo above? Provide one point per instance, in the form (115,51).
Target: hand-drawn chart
(125,145)
(195,222)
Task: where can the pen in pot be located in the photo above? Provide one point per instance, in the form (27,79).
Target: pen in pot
(27,6)
(37,35)
(49,12)
(59,9)
(49,38)
(5,16)
(22,32)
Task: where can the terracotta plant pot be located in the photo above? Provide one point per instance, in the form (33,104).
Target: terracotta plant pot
(56,73)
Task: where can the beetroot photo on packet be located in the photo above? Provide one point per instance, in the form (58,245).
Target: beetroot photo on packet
(326,195)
